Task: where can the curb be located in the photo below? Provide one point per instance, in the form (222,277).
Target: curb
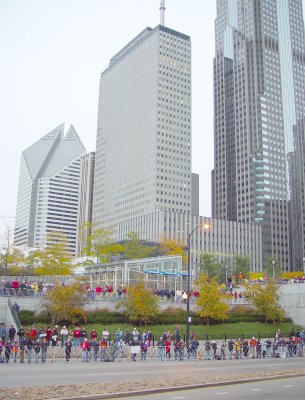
(178,388)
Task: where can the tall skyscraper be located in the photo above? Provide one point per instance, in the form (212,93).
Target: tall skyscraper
(259,108)
(48,191)
(143,148)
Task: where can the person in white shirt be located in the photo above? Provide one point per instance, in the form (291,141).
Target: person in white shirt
(64,333)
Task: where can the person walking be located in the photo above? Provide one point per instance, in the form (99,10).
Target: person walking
(68,349)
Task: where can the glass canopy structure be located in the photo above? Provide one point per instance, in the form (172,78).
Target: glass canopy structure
(157,272)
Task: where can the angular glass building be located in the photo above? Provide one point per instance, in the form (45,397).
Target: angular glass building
(259,108)
(48,191)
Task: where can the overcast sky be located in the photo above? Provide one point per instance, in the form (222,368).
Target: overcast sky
(52,54)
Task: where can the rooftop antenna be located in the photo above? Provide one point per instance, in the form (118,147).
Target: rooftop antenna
(162,11)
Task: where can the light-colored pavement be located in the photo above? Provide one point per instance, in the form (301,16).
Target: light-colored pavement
(75,372)
(292,388)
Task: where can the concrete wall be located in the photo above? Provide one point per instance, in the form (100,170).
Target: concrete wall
(6,316)
(292,299)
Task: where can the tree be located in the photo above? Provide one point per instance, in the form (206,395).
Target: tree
(211,302)
(209,266)
(55,259)
(266,300)
(170,247)
(97,242)
(273,268)
(67,302)
(134,248)
(6,253)
(242,266)
(141,305)
(12,259)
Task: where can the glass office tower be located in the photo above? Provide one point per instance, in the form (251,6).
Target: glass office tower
(259,107)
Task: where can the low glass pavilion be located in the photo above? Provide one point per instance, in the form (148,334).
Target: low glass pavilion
(157,272)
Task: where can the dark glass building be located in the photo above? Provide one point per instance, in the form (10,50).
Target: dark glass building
(259,108)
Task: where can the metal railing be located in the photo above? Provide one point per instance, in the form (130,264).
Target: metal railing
(159,353)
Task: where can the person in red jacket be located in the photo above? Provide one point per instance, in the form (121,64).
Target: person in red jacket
(167,349)
(33,333)
(85,350)
(15,286)
(93,334)
(77,335)
(48,333)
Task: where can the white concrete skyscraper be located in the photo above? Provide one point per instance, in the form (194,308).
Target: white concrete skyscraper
(143,148)
(48,191)
(259,100)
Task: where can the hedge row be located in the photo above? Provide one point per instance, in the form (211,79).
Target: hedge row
(168,316)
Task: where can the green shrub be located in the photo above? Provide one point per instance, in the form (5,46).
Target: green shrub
(106,317)
(27,317)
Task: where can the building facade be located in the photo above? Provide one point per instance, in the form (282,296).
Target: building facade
(87,165)
(48,191)
(143,147)
(259,107)
(221,239)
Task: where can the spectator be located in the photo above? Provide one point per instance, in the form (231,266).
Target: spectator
(118,335)
(7,351)
(93,334)
(85,349)
(160,349)
(95,348)
(144,348)
(230,348)
(21,333)
(36,351)
(15,349)
(15,306)
(105,335)
(11,334)
(44,349)
(76,336)
(3,333)
(63,333)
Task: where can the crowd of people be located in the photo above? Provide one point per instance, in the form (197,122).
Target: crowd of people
(33,345)
(24,288)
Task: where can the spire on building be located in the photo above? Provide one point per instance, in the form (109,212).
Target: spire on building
(162,12)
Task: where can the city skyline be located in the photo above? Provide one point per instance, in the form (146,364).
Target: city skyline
(44,68)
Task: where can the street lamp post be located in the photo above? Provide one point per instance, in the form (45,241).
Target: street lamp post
(273,271)
(188,288)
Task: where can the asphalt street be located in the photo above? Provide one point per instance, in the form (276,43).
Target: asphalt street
(62,373)
(283,389)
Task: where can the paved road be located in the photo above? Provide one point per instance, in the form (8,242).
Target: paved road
(283,389)
(60,372)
